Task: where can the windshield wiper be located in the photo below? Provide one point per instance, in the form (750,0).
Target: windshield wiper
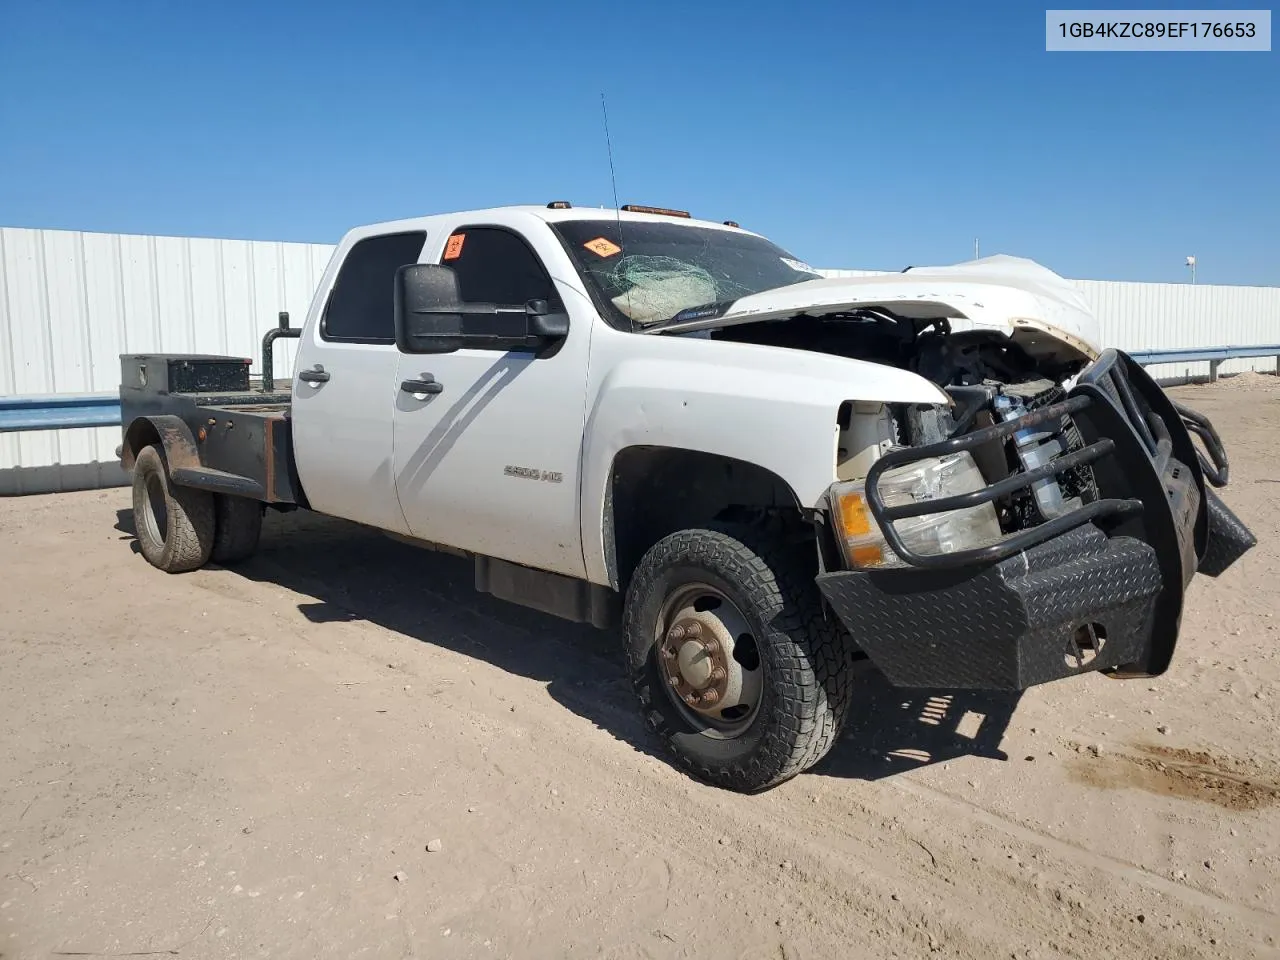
(706,311)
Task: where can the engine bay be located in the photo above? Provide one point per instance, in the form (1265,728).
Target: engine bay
(990,377)
(928,347)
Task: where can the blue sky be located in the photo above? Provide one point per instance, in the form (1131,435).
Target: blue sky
(857,135)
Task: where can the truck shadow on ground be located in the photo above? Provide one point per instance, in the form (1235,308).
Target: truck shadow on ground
(359,574)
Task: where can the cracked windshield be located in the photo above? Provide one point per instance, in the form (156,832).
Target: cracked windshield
(649,272)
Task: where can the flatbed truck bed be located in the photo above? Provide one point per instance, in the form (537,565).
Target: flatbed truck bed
(207,410)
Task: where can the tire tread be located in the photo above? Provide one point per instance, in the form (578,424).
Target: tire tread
(189,538)
(810,655)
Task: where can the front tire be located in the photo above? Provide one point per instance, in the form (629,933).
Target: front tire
(174,525)
(737,670)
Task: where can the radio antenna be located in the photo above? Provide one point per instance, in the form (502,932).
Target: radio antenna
(613,177)
(613,180)
(608,145)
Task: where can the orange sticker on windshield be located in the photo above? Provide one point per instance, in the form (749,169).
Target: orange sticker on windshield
(453,249)
(602,247)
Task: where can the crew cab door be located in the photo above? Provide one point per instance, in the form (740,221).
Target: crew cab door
(490,462)
(345,386)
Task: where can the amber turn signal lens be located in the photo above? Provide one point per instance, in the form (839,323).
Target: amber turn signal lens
(855,521)
(867,555)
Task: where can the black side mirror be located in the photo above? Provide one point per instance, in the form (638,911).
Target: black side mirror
(544,325)
(431,317)
(428,310)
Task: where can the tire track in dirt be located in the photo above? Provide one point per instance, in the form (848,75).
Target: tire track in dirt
(1088,857)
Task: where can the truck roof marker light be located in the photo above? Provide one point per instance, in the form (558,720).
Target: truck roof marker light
(733,223)
(660,211)
(559,205)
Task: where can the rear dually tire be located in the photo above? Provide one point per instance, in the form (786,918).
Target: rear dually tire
(238,525)
(174,524)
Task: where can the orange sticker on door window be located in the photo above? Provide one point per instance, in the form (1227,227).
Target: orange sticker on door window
(602,247)
(453,249)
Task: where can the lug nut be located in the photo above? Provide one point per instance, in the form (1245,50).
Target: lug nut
(710,696)
(691,699)
(694,629)
(711,645)
(676,633)
(717,674)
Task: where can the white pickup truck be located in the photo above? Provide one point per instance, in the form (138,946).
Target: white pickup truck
(761,476)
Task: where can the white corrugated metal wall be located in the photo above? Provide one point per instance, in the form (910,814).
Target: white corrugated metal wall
(71,302)
(1167,316)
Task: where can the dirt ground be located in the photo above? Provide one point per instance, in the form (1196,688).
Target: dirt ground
(339,750)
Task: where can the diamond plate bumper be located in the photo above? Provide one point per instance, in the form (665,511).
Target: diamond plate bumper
(1106,595)
(1007,626)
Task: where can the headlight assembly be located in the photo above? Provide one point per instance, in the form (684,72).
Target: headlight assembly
(864,544)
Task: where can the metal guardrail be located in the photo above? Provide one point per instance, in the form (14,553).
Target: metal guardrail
(1212,355)
(62,411)
(59,411)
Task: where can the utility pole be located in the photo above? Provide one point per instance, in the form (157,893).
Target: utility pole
(1191,262)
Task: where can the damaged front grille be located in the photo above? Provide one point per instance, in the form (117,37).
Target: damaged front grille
(1109,451)
(983,405)
(1066,490)
(1031,425)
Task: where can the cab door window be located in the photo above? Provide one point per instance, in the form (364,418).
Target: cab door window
(494,265)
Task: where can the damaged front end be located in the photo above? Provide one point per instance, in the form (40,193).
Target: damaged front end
(1044,523)
(1032,532)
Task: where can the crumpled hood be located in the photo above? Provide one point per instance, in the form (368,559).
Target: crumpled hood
(1012,295)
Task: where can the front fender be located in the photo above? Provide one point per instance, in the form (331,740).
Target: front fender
(773,408)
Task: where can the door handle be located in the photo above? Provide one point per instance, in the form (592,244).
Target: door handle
(315,375)
(427,384)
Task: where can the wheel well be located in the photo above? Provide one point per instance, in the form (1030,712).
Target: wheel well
(141,434)
(655,491)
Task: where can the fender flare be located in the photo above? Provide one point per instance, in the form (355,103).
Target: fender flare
(170,432)
(183,457)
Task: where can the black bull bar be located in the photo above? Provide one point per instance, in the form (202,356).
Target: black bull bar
(1099,588)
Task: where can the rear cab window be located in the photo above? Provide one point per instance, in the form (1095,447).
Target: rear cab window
(361,305)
